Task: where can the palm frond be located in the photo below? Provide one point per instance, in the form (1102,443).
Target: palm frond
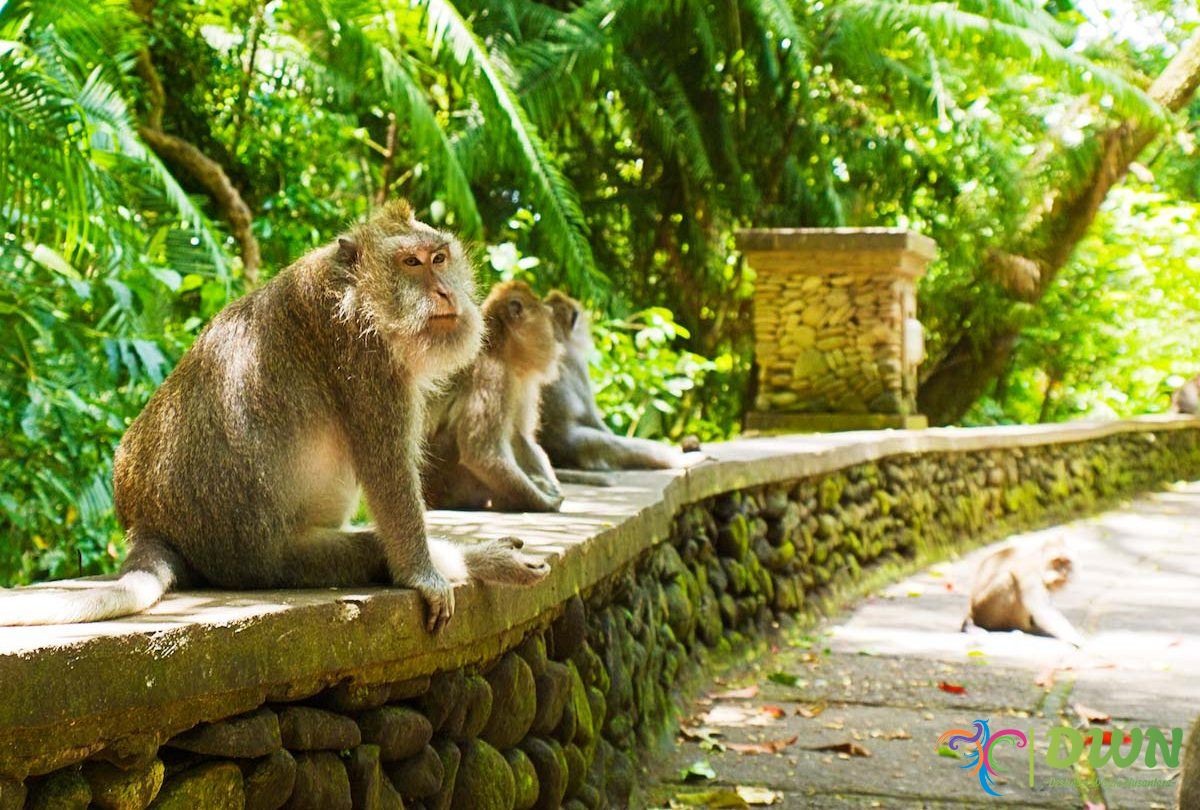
(556,201)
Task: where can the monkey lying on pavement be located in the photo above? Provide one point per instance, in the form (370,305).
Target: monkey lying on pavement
(483,451)
(573,430)
(246,463)
(1012,591)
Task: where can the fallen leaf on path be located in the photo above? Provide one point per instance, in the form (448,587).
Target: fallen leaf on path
(700,769)
(850,748)
(835,725)
(1048,676)
(707,737)
(759,796)
(768,747)
(952,688)
(898,734)
(810,711)
(944,751)
(723,797)
(774,711)
(1094,806)
(1089,715)
(738,716)
(786,680)
(734,694)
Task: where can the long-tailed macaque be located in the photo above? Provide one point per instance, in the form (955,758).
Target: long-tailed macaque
(1186,398)
(1012,591)
(572,429)
(483,451)
(1188,797)
(245,465)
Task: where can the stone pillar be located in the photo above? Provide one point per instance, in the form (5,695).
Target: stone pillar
(837,342)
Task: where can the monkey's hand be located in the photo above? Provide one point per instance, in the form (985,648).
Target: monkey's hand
(438,594)
(549,488)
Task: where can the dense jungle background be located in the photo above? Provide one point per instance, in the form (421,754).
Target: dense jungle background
(160,158)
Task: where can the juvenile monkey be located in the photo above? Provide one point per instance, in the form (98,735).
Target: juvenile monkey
(483,450)
(573,431)
(245,465)
(1186,398)
(1012,591)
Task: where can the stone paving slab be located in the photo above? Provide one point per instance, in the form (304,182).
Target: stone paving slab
(876,669)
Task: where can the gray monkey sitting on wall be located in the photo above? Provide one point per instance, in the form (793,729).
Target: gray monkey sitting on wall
(573,430)
(245,465)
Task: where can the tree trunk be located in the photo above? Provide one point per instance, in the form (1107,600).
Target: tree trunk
(974,360)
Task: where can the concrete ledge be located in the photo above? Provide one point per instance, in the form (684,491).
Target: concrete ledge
(755,240)
(74,691)
(772,422)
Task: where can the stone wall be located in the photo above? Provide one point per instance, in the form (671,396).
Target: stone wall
(552,712)
(831,311)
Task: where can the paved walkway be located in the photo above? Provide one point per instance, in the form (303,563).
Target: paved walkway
(870,684)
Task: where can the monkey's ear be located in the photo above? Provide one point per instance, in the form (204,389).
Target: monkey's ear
(515,308)
(348,251)
(574,316)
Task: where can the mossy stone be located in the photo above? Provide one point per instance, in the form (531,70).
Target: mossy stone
(551,766)
(268,782)
(304,728)
(514,700)
(247,736)
(115,789)
(525,779)
(419,776)
(400,732)
(485,781)
(553,687)
(451,756)
(65,789)
(321,783)
(210,784)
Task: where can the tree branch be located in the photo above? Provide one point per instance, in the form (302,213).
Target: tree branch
(209,174)
(963,374)
(182,154)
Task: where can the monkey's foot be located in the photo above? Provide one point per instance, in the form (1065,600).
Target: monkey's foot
(438,594)
(501,561)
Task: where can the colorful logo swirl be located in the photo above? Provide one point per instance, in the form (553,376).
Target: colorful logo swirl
(977,749)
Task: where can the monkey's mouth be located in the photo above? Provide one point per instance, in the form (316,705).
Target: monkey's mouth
(443,321)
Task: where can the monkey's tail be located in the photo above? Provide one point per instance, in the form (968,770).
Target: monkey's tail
(587,477)
(133,592)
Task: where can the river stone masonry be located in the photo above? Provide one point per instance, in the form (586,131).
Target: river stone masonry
(556,712)
(832,307)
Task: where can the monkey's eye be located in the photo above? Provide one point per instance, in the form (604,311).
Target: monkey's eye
(412,261)
(439,258)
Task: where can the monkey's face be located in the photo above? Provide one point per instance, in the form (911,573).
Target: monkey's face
(1059,567)
(419,285)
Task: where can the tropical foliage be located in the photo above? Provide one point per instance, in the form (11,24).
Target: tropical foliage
(157,158)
